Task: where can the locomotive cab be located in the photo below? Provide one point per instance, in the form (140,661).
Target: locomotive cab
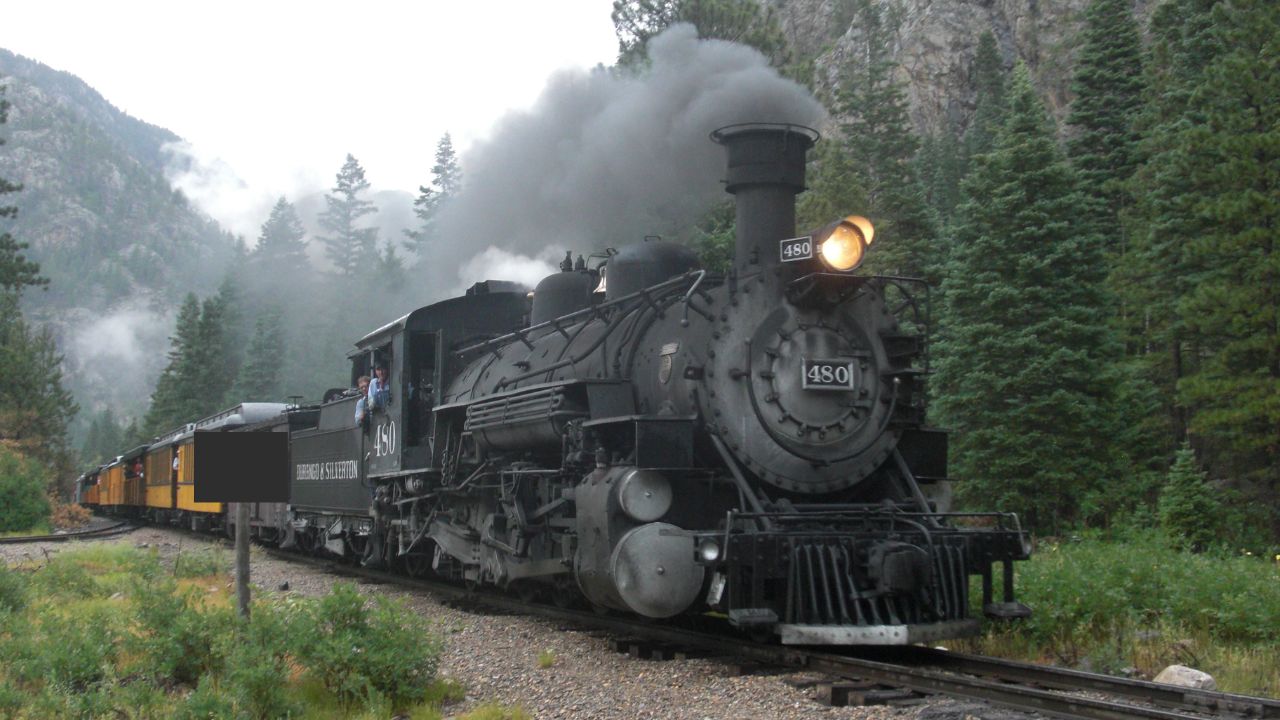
(416,350)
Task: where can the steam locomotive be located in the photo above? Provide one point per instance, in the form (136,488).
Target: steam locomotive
(653,438)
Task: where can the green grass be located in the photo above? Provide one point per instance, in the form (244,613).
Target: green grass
(105,631)
(1136,603)
(546,659)
(41,528)
(201,562)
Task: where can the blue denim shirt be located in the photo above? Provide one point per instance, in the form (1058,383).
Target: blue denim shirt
(379,394)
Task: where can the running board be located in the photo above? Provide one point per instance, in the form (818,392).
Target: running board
(876,634)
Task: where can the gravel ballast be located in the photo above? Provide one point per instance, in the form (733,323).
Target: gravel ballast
(496,657)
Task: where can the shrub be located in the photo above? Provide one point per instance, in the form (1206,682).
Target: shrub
(66,577)
(358,649)
(207,701)
(74,650)
(13,590)
(257,658)
(1189,511)
(176,639)
(68,515)
(23,504)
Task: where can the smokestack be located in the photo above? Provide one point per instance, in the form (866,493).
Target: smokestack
(765,171)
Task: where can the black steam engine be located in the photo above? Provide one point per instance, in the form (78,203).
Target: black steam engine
(753,444)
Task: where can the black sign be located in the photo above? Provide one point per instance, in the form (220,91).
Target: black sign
(827,374)
(794,249)
(241,466)
(328,473)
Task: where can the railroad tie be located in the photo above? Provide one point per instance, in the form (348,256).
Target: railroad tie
(861,692)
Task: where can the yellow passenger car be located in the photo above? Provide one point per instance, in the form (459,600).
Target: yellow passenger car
(112,484)
(162,477)
(133,470)
(186,490)
(89,489)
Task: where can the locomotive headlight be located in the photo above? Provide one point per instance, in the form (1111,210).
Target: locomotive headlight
(842,250)
(843,244)
(708,551)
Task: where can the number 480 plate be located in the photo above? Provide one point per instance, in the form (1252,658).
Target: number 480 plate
(827,375)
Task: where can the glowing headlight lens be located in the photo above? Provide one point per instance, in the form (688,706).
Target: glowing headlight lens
(708,550)
(843,248)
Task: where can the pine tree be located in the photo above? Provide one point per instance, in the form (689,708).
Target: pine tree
(446,183)
(940,165)
(16,271)
(171,403)
(1154,270)
(350,247)
(211,369)
(391,272)
(1189,508)
(989,90)
(1025,372)
(749,22)
(34,406)
(103,440)
(835,189)
(1108,88)
(1233,162)
(134,436)
(282,246)
(259,379)
(236,325)
(880,145)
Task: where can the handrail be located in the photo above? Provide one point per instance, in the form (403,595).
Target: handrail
(590,310)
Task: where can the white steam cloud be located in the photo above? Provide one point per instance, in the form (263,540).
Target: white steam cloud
(216,188)
(494,263)
(118,354)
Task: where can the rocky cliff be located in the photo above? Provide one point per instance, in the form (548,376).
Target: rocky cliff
(934,43)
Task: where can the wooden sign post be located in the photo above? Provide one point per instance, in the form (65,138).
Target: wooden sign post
(242,558)
(242,468)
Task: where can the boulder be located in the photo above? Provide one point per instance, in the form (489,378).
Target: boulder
(1183,676)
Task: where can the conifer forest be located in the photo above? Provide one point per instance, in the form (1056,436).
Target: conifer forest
(1105,276)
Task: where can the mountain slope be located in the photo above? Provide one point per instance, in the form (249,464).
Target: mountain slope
(102,220)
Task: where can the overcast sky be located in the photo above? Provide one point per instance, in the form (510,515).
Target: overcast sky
(282,91)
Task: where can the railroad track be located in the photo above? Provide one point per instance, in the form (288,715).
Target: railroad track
(94,534)
(1055,692)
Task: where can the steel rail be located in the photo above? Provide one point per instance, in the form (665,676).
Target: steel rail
(1066,678)
(1019,686)
(94,534)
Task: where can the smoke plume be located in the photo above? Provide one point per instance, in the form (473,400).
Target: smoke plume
(605,158)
